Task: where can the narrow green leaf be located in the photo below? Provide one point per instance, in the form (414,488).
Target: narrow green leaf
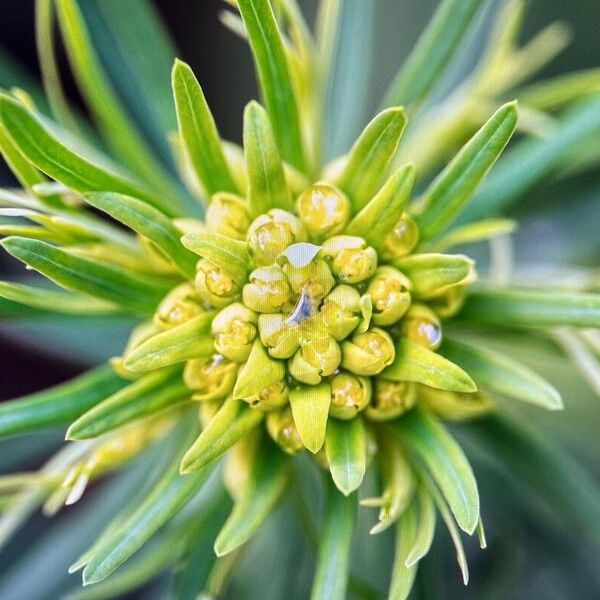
(259,371)
(346,450)
(275,81)
(267,479)
(229,255)
(60,404)
(143,398)
(425,527)
(133,291)
(370,156)
(199,132)
(378,217)
(267,185)
(416,363)
(192,339)
(532,308)
(333,558)
(471,233)
(436,46)
(231,423)
(310,409)
(149,222)
(429,441)
(502,374)
(455,185)
(403,575)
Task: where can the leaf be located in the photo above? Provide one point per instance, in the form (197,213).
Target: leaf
(433,51)
(532,308)
(346,451)
(35,141)
(433,274)
(425,527)
(231,256)
(192,339)
(140,399)
(267,479)
(333,557)
(274,78)
(370,156)
(429,441)
(416,363)
(403,575)
(455,185)
(231,423)
(471,233)
(149,222)
(267,185)
(199,132)
(310,410)
(55,300)
(133,291)
(378,217)
(502,374)
(259,371)
(60,404)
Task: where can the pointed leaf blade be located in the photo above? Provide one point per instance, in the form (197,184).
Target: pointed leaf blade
(310,409)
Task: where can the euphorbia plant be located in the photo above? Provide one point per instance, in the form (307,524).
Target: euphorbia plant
(288,307)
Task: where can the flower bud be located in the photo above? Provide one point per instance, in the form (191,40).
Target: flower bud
(227,214)
(349,395)
(421,325)
(179,305)
(281,427)
(214,285)
(391,399)
(341,311)
(234,330)
(274,395)
(278,336)
(389,291)
(450,302)
(368,353)
(210,378)
(402,239)
(316,358)
(270,234)
(268,290)
(350,258)
(323,209)
(314,279)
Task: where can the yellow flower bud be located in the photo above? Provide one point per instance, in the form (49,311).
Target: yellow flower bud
(391,399)
(349,257)
(323,209)
(389,291)
(214,285)
(268,290)
(350,395)
(421,325)
(234,330)
(450,302)
(179,305)
(210,378)
(315,279)
(316,358)
(275,395)
(279,336)
(281,427)
(341,311)
(402,239)
(368,353)
(227,214)
(270,234)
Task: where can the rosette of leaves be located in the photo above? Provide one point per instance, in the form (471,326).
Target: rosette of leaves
(293,313)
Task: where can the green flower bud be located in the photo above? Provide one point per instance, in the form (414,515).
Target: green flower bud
(349,395)
(315,279)
(450,302)
(227,214)
(341,311)
(391,399)
(273,396)
(389,291)
(211,378)
(368,353)
(179,305)
(403,238)
(279,337)
(214,285)
(323,209)
(268,290)
(270,234)
(281,427)
(350,258)
(421,325)
(234,330)
(316,358)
